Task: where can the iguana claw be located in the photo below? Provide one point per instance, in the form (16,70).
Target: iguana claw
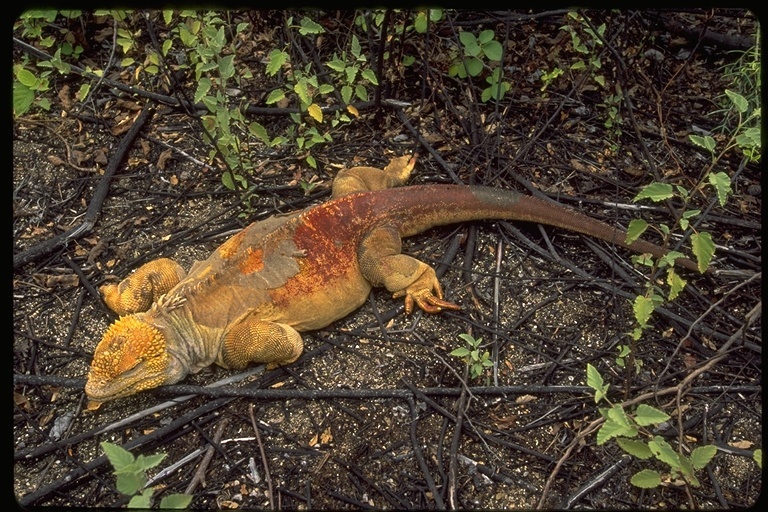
(426,300)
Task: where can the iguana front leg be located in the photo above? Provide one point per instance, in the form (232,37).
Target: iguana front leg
(382,264)
(137,292)
(363,179)
(256,341)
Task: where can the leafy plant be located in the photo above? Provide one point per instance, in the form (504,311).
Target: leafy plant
(702,244)
(476,360)
(585,41)
(630,431)
(471,64)
(30,81)
(420,23)
(745,96)
(131,477)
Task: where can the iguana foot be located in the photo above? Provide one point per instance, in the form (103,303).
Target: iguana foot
(426,293)
(137,292)
(256,341)
(382,265)
(363,179)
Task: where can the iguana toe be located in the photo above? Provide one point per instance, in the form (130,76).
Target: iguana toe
(425,299)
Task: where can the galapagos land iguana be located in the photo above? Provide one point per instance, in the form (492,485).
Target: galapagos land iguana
(290,273)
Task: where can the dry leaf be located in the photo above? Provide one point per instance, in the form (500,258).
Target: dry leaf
(316,112)
(163,159)
(55,160)
(100,156)
(65,98)
(79,157)
(54,281)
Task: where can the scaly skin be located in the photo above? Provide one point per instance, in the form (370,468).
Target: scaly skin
(250,299)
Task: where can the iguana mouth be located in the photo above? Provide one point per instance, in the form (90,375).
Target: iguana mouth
(100,391)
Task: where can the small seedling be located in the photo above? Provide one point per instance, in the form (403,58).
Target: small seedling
(131,477)
(477,361)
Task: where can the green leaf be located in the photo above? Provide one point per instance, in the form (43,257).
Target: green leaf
(636,229)
(703,248)
(175,501)
(474,66)
(301,89)
(701,456)
(26,77)
(618,415)
(646,415)
(687,472)
(227,67)
(608,431)
(493,50)
(634,447)
(82,93)
(420,23)
(722,183)
(355,48)
(750,137)
(227,180)
(275,96)
(579,64)
(346,93)
(460,352)
(325,89)
(337,65)
(655,192)
(646,479)
(258,131)
(676,284)
(143,500)
(485,37)
(23,97)
(663,451)
(361,93)
(757,455)
(144,462)
(706,142)
(130,483)
(738,101)
(643,308)
(308,26)
(471,47)
(276,59)
(351,73)
(118,456)
(595,381)
(370,75)
(203,86)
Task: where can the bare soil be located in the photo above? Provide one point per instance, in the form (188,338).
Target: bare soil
(377,413)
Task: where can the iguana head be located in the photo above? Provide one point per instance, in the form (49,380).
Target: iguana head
(131,357)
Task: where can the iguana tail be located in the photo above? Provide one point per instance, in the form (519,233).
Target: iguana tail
(426,206)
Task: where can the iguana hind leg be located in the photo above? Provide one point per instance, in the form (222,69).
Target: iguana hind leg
(362,179)
(137,292)
(382,264)
(257,341)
